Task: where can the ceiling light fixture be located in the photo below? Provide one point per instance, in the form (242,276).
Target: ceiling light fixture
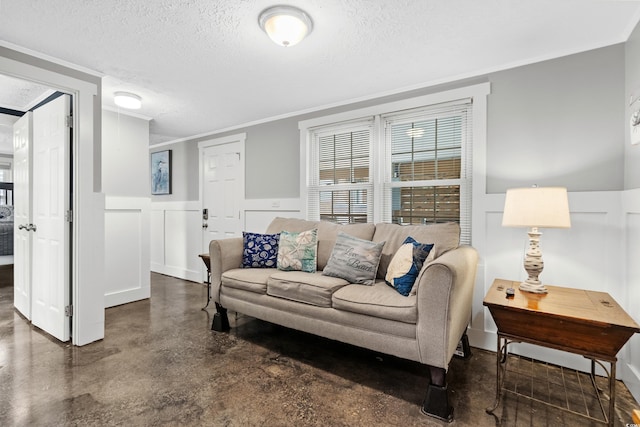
(127,100)
(285,25)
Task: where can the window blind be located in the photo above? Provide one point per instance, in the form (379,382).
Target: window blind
(428,177)
(340,184)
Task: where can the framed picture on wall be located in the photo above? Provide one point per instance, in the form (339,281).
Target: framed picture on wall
(161,172)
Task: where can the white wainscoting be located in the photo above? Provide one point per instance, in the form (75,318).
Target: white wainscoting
(589,255)
(631,362)
(258,213)
(126,250)
(176,240)
(176,233)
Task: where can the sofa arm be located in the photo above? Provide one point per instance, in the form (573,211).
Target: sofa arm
(224,255)
(445,297)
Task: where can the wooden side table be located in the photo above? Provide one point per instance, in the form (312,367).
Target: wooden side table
(582,322)
(207,263)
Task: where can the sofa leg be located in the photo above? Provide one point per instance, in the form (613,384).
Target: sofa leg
(436,402)
(220,319)
(464,349)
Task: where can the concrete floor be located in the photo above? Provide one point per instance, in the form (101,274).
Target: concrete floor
(160,364)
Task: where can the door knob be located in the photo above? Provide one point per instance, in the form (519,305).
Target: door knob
(31,227)
(22,227)
(205,226)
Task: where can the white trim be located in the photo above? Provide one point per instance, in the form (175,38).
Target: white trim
(478,90)
(239,137)
(276,205)
(87,257)
(51,59)
(176,206)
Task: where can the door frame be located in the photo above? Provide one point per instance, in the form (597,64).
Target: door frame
(87,239)
(202,145)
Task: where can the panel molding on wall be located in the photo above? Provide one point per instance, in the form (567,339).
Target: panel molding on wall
(631,353)
(176,240)
(586,256)
(176,233)
(126,250)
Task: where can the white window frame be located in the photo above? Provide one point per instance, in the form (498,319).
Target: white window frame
(315,134)
(478,93)
(464,181)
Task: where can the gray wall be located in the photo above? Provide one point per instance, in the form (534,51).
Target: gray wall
(125,155)
(557,122)
(632,86)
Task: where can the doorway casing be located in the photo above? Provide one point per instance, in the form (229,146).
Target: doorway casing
(87,242)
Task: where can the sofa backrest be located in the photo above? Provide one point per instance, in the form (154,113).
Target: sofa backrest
(445,237)
(327,233)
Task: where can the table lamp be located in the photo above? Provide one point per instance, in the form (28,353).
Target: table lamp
(536,207)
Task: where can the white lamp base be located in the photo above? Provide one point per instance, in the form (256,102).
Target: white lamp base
(533,264)
(536,289)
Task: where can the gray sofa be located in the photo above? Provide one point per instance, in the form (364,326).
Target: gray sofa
(425,327)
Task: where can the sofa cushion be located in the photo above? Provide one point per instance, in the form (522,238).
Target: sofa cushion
(406,265)
(378,300)
(445,236)
(314,288)
(298,251)
(328,233)
(259,250)
(353,259)
(248,279)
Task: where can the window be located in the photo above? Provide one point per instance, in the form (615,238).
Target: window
(408,162)
(341,184)
(429,162)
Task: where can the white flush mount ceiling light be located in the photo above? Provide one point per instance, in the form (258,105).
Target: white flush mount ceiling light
(285,25)
(127,100)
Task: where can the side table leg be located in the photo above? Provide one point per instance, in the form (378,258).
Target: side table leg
(612,393)
(208,294)
(501,364)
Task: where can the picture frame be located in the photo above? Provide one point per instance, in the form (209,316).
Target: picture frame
(161,173)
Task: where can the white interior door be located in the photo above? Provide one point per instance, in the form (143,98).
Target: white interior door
(22,138)
(222,191)
(51,191)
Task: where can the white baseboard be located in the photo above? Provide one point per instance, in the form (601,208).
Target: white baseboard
(126,296)
(180,273)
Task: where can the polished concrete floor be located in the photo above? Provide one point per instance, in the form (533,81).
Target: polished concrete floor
(160,364)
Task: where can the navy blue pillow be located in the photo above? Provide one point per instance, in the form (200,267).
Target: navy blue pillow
(260,250)
(406,264)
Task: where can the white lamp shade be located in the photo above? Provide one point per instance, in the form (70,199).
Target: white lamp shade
(285,25)
(127,100)
(544,207)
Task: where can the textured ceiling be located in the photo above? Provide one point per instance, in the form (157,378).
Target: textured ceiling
(205,65)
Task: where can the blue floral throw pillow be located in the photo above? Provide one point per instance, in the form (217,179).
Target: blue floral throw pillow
(260,250)
(406,265)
